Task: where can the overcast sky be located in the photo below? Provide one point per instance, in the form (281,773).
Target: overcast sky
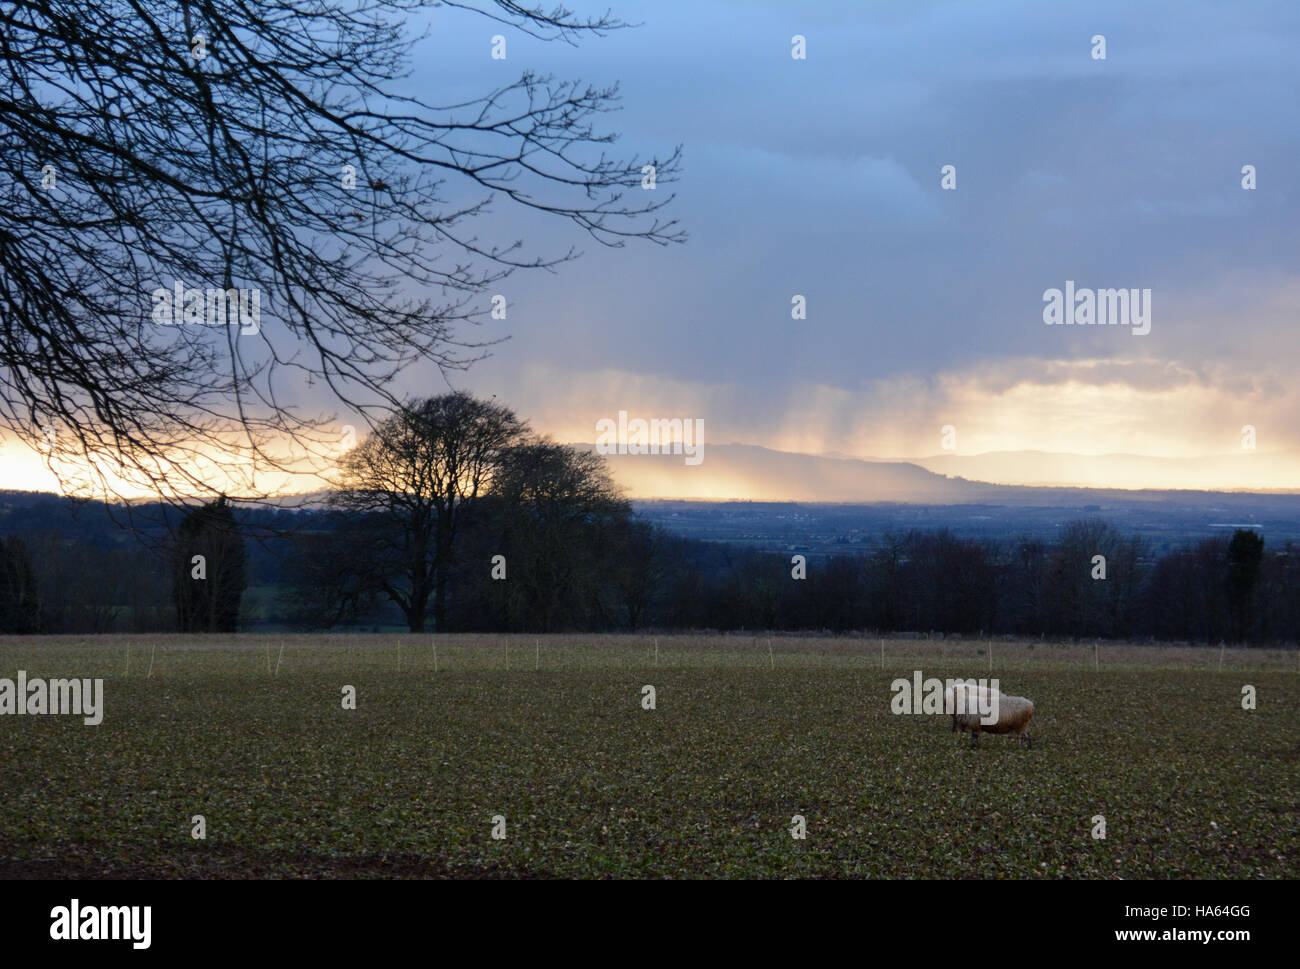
(821,177)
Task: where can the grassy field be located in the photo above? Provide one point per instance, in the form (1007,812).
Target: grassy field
(550,734)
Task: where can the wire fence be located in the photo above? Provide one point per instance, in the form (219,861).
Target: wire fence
(274,655)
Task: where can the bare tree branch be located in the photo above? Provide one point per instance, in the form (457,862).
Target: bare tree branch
(261,153)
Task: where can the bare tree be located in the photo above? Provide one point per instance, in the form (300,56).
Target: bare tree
(164,161)
(562,523)
(416,472)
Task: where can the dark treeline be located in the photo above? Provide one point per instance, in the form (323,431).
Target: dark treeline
(1218,589)
(598,568)
(920,581)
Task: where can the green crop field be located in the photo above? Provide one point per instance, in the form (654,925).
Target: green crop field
(547,738)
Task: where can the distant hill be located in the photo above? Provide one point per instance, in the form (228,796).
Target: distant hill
(749,472)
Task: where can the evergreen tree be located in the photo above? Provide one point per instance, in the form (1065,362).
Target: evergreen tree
(1245,553)
(20,609)
(210,570)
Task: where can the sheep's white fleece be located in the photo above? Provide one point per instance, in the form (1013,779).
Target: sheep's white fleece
(1014,714)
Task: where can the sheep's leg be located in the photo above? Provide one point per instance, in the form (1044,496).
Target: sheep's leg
(974,738)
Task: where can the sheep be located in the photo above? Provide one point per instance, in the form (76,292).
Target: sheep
(1013,712)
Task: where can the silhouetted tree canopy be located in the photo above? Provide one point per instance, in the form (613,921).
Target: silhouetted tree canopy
(412,480)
